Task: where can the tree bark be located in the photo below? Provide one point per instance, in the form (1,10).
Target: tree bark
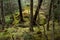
(49,16)
(20,10)
(37,11)
(53,26)
(2,15)
(31,15)
(58,1)
(53,21)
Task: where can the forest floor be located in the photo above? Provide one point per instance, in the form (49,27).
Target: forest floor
(17,33)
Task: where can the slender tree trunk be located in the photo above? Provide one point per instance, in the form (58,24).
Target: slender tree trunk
(31,11)
(58,1)
(58,14)
(53,21)
(49,16)
(37,11)
(20,10)
(53,27)
(2,14)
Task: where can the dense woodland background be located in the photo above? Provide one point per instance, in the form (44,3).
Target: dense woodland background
(29,19)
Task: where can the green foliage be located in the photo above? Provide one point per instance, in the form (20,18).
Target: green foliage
(27,36)
(10,6)
(7,19)
(56,9)
(42,19)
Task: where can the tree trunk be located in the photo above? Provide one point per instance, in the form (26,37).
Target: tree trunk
(58,1)
(31,11)
(37,11)
(53,21)
(20,10)
(53,26)
(2,15)
(49,16)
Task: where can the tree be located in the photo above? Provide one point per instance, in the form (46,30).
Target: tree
(20,10)
(37,11)
(2,15)
(49,15)
(53,21)
(31,11)
(58,1)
